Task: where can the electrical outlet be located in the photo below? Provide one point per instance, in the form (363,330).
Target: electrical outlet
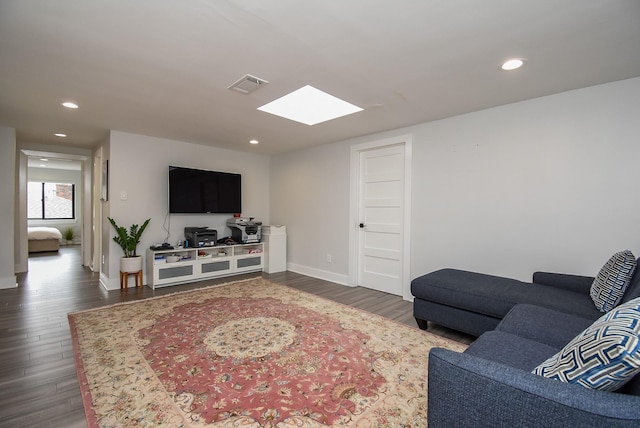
(328,258)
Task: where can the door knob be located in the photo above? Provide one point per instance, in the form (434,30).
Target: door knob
(361,225)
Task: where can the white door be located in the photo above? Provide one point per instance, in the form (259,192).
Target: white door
(381,215)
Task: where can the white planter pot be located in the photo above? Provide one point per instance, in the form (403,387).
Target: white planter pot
(131,264)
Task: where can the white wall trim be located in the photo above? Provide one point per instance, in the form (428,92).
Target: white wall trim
(107,284)
(9,282)
(408,179)
(84,228)
(87,227)
(22,244)
(319,273)
(407,141)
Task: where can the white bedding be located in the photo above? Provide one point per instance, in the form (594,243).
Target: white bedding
(39,233)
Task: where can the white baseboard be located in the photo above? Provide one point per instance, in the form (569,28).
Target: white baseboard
(20,267)
(8,282)
(320,274)
(108,284)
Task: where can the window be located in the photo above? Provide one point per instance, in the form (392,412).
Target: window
(50,200)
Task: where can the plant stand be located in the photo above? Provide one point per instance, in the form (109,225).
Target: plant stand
(124,279)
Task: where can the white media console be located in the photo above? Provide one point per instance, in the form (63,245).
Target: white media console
(196,264)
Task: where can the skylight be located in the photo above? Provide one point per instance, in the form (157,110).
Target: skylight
(310,106)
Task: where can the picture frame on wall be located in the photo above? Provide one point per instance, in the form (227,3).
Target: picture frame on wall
(105,181)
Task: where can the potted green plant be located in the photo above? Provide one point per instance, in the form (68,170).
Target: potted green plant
(68,234)
(128,239)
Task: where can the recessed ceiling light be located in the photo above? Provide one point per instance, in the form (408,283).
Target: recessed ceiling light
(254,142)
(69,104)
(60,134)
(310,106)
(43,165)
(512,64)
(44,159)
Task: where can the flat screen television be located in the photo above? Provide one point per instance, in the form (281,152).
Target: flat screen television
(195,191)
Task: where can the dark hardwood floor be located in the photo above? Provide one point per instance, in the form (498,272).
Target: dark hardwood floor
(38,383)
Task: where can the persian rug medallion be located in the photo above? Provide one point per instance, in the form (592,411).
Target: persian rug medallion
(249,354)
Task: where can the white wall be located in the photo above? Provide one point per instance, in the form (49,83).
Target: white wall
(138,165)
(310,196)
(7,207)
(541,184)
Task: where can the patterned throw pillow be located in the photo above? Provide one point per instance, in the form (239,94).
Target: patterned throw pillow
(604,356)
(612,280)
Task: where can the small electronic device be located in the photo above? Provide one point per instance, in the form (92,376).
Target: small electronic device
(200,236)
(163,246)
(245,230)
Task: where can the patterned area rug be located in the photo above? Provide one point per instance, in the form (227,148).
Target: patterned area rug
(250,354)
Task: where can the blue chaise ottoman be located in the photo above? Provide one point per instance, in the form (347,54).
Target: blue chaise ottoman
(474,303)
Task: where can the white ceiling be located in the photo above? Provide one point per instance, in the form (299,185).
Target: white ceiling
(162,67)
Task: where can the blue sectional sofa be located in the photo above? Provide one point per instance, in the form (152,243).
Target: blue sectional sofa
(534,362)
(491,384)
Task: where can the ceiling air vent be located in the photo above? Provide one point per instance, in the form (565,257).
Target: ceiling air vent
(247,84)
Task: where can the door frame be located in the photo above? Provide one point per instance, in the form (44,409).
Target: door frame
(354,199)
(22,257)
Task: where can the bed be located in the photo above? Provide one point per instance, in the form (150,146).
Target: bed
(43,239)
